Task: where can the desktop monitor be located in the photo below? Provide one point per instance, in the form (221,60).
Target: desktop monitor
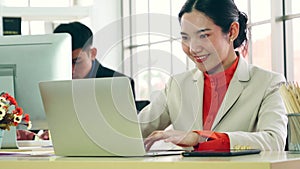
(26,60)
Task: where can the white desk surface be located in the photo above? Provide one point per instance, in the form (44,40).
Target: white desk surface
(37,158)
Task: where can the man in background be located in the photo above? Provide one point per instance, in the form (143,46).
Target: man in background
(84,62)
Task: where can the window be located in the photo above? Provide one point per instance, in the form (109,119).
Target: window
(260,10)
(293,6)
(261,45)
(293,51)
(154,46)
(292,27)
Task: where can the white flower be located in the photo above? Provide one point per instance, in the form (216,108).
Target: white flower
(18,119)
(29,125)
(2,112)
(3,100)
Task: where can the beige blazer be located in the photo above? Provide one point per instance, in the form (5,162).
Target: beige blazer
(252,112)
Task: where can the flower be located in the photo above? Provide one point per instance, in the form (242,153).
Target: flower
(11,114)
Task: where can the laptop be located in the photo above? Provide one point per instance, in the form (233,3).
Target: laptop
(94,117)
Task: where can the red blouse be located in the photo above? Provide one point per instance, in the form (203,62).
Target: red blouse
(215,87)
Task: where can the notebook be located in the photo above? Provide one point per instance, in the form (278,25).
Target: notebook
(93,117)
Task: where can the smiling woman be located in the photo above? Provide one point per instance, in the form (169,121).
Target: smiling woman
(211,106)
(206,44)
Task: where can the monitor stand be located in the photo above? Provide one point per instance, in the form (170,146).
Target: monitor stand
(7,73)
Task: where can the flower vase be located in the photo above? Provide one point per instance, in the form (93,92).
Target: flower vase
(1,137)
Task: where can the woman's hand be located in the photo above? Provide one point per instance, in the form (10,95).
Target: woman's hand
(180,138)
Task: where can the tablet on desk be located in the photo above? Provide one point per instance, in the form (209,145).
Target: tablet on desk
(220,153)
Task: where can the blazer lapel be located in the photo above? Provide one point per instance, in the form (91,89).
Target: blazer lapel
(197,94)
(234,90)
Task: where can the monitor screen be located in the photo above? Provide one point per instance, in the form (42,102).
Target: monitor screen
(30,59)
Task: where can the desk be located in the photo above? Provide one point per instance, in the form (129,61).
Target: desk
(43,158)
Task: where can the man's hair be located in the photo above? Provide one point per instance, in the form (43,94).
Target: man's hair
(82,36)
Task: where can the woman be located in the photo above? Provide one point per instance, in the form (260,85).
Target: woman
(224,103)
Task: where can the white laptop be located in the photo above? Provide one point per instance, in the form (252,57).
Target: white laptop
(93,117)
